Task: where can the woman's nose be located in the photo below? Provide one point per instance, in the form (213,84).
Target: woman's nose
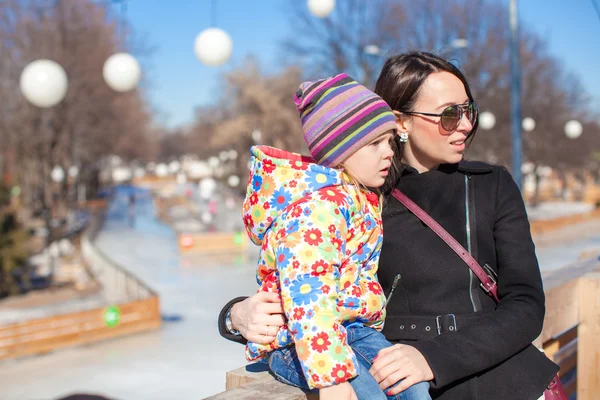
(464,125)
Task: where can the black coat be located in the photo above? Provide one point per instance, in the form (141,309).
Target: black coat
(489,356)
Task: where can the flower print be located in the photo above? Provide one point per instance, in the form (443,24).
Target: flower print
(305,290)
(280,234)
(266,205)
(337,352)
(268,166)
(322,363)
(356,291)
(337,242)
(293,226)
(375,287)
(302,350)
(283,174)
(340,373)
(253,198)
(248,221)
(281,199)
(333,195)
(325,289)
(370,223)
(321,342)
(313,237)
(352,301)
(293,184)
(298,312)
(307,211)
(319,268)
(310,314)
(296,211)
(298,165)
(256,182)
(270,282)
(297,330)
(268,186)
(295,265)
(332,229)
(344,211)
(315,377)
(351,234)
(373,199)
(282,257)
(286,282)
(319,176)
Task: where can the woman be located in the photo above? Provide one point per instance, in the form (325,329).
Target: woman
(446,329)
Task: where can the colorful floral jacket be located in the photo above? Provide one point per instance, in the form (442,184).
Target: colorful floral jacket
(320,250)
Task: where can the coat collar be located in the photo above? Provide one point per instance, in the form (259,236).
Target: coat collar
(464,166)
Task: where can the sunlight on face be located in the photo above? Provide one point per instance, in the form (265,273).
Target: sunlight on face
(371,163)
(429,145)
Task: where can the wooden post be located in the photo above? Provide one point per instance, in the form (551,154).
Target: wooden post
(588,364)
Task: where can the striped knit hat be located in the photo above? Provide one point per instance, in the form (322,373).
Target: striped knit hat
(339,116)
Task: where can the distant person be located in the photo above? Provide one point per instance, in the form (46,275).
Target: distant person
(131,210)
(319,224)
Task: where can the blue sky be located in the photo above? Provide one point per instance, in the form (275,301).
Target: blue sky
(178,82)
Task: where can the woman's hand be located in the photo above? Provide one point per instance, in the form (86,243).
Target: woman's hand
(343,391)
(259,317)
(398,362)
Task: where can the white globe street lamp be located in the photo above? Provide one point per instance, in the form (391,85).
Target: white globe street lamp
(44,83)
(487,120)
(73,171)
(372,50)
(233,181)
(573,129)
(256,136)
(213,47)
(321,8)
(57,174)
(121,72)
(528,124)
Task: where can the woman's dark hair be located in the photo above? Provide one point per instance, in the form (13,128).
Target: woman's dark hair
(399,84)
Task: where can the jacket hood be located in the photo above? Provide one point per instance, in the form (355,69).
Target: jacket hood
(277,179)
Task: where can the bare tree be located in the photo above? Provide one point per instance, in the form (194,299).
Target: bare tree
(252,101)
(550,94)
(93,120)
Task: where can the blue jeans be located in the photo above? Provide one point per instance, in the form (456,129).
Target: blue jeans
(366,343)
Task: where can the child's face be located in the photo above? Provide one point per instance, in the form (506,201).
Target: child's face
(372,162)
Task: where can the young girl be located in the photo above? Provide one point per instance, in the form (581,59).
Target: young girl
(318,222)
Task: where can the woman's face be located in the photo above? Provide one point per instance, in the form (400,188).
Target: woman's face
(429,144)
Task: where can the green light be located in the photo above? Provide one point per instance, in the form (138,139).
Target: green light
(238,238)
(111,316)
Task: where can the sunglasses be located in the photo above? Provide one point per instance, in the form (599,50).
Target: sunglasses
(451,116)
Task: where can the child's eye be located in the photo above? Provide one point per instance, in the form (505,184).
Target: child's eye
(375,143)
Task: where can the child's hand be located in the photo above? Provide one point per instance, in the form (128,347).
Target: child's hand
(343,391)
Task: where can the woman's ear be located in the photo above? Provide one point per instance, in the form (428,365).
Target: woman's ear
(402,122)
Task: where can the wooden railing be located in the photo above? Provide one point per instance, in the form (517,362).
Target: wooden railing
(131,307)
(570,337)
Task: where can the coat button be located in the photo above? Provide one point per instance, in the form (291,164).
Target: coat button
(401,326)
(427,328)
(413,326)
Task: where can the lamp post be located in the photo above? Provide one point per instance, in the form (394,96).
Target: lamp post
(515,95)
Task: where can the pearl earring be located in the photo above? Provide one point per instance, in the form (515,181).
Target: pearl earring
(403,137)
